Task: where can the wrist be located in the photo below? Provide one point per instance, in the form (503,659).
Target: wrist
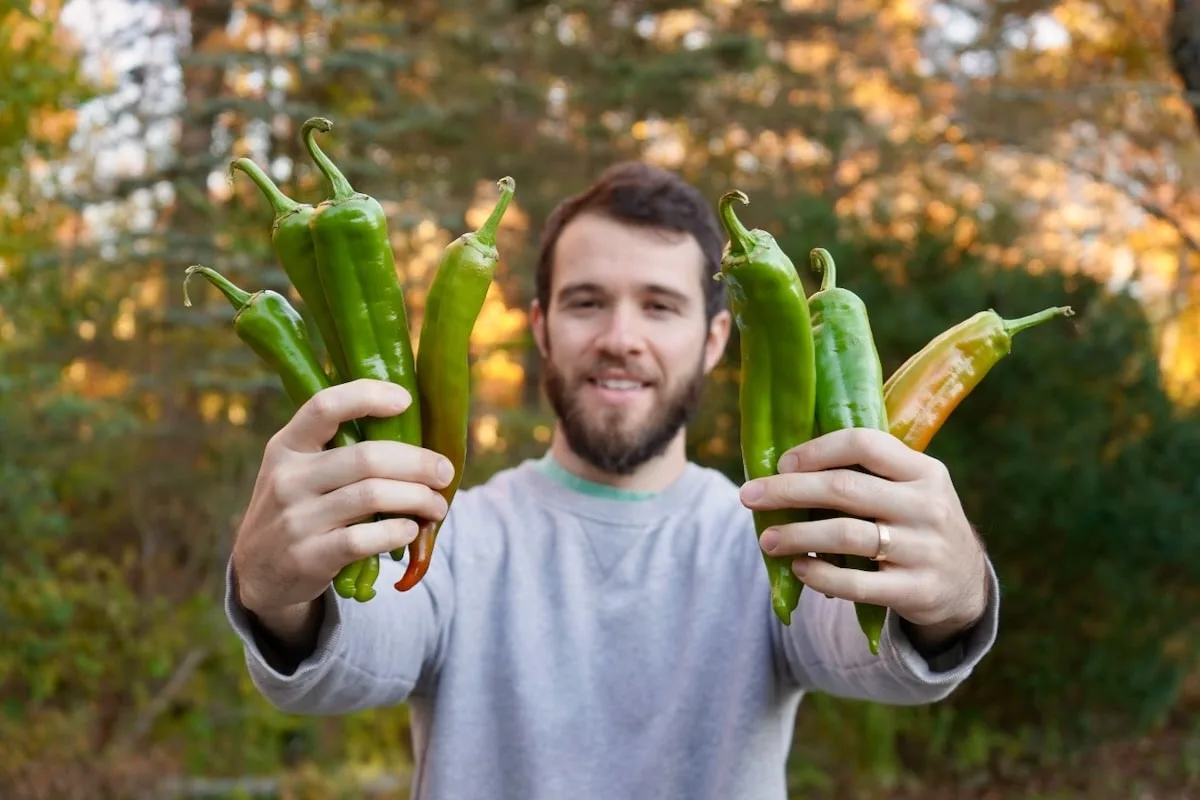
(936,635)
(293,627)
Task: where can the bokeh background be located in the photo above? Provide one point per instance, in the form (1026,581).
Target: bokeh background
(953,156)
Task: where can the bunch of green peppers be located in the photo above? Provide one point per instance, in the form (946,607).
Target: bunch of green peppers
(338,257)
(810,366)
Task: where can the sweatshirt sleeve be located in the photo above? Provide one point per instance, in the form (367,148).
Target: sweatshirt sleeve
(824,650)
(367,655)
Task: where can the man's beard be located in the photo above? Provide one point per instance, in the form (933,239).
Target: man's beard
(602,439)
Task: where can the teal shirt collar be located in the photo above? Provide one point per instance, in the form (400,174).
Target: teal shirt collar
(549,467)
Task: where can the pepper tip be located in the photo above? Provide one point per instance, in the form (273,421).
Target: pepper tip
(321,124)
(187,276)
(739,236)
(822,264)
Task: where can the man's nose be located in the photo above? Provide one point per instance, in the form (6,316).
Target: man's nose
(623,334)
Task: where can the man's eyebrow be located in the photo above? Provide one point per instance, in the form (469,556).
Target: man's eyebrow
(588,287)
(579,288)
(674,294)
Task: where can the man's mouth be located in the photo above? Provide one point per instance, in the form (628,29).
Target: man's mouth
(617,384)
(617,388)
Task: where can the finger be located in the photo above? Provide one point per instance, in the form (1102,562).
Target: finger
(876,451)
(396,461)
(375,496)
(849,491)
(330,552)
(836,535)
(316,422)
(885,587)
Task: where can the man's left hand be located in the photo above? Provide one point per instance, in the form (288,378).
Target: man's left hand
(934,574)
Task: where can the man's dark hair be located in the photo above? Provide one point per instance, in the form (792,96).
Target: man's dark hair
(640,194)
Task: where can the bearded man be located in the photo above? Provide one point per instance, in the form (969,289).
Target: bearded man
(597,623)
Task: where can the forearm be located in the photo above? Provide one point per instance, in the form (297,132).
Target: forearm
(337,656)
(825,650)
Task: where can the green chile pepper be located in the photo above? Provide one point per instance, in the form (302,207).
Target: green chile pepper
(274,330)
(294,250)
(443,360)
(849,392)
(778,385)
(357,271)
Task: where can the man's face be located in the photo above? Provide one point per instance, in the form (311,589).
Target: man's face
(624,340)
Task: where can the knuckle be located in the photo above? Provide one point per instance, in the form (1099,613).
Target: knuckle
(290,524)
(370,494)
(858,438)
(939,473)
(323,403)
(925,598)
(369,458)
(351,542)
(941,514)
(843,485)
(284,479)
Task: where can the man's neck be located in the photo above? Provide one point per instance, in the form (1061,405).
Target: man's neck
(653,476)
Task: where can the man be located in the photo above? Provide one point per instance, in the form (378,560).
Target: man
(597,623)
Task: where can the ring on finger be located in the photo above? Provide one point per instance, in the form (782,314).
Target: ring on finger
(885,542)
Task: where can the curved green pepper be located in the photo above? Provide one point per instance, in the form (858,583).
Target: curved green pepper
(849,392)
(357,271)
(443,360)
(274,330)
(777,394)
(293,248)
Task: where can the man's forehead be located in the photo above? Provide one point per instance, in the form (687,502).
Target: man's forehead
(604,252)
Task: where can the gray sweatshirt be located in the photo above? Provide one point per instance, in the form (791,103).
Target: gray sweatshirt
(573,641)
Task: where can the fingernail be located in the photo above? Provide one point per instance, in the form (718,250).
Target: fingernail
(800,566)
(445,471)
(788,463)
(400,396)
(752,491)
(768,540)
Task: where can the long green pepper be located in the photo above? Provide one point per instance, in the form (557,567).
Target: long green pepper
(293,246)
(443,359)
(849,392)
(777,394)
(275,331)
(349,232)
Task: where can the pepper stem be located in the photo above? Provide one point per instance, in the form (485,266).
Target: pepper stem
(281,204)
(1015,326)
(342,190)
(239,298)
(740,239)
(486,235)
(822,263)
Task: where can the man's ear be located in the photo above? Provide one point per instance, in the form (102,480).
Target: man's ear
(718,337)
(537,325)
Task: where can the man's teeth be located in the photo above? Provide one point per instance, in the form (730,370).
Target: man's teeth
(623,385)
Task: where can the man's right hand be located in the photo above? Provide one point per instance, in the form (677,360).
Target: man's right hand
(301,526)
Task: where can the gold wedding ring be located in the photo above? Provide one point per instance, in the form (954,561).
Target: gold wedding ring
(885,542)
